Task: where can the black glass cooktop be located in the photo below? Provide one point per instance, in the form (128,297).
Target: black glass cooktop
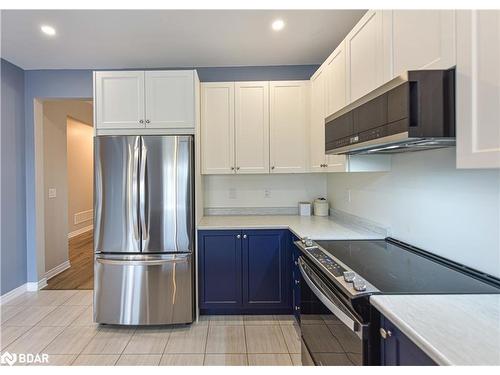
(393,268)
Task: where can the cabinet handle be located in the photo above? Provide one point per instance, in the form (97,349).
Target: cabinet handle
(232,168)
(385,334)
(244,236)
(296,263)
(297,308)
(237,168)
(297,282)
(238,236)
(147,121)
(141,121)
(272,167)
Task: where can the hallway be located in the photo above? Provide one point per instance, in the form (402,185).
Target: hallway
(81,273)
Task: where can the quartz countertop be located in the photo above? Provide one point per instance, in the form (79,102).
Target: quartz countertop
(450,329)
(314,227)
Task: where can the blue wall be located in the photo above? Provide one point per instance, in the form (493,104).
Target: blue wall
(71,84)
(13,200)
(45,84)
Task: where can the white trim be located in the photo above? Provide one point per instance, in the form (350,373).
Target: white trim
(80,231)
(83,216)
(39,189)
(35,286)
(9,296)
(57,270)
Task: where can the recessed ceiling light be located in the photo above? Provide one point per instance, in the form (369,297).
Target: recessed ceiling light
(49,30)
(278,25)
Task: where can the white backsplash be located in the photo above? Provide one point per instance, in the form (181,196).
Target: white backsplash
(276,190)
(427,202)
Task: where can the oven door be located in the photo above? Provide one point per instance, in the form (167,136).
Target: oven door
(332,335)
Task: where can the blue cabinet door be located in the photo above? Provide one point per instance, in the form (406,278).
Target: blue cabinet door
(266,270)
(399,350)
(219,265)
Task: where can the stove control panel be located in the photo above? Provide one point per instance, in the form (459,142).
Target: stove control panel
(332,266)
(338,272)
(349,276)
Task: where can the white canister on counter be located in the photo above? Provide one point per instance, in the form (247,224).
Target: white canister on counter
(305,208)
(321,207)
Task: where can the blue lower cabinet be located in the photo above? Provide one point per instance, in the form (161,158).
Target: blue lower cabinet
(266,270)
(219,265)
(399,350)
(244,272)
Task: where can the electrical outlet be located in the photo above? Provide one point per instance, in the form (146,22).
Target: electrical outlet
(52,192)
(267,193)
(348,196)
(232,193)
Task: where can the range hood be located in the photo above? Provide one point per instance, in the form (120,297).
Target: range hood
(412,112)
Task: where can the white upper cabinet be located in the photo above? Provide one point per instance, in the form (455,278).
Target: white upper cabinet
(289,135)
(422,39)
(367,54)
(317,131)
(478,89)
(335,70)
(170,99)
(217,128)
(139,99)
(252,127)
(119,99)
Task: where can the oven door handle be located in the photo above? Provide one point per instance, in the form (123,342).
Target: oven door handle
(353,325)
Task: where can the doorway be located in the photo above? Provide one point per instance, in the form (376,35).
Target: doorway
(68,189)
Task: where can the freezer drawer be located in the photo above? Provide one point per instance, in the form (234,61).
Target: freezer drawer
(143,289)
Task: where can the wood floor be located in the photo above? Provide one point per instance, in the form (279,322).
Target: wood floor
(81,273)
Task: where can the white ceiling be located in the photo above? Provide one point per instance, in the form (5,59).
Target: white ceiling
(107,39)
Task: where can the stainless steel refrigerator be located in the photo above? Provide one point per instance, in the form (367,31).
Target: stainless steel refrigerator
(143,230)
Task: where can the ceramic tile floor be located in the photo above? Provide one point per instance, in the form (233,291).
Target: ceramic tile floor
(59,323)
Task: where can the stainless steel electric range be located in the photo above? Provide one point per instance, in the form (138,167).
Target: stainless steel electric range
(338,324)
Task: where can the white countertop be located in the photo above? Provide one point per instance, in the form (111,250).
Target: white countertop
(450,329)
(314,227)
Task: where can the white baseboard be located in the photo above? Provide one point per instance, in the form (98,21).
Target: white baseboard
(9,296)
(36,285)
(80,231)
(28,287)
(57,270)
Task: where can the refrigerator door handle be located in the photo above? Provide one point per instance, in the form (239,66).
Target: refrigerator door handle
(135,193)
(151,262)
(143,193)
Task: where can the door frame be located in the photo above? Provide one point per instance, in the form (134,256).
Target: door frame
(40,191)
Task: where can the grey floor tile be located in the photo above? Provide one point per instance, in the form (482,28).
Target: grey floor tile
(72,340)
(260,320)
(292,339)
(109,340)
(269,360)
(62,316)
(226,320)
(182,360)
(96,360)
(34,340)
(189,339)
(265,339)
(139,360)
(148,341)
(29,316)
(226,360)
(226,339)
